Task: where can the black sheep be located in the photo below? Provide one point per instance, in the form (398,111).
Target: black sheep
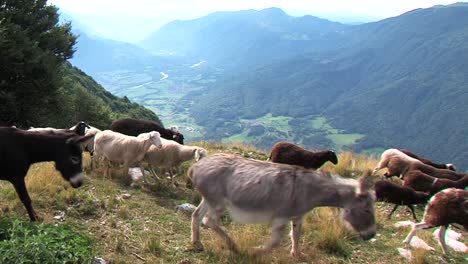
(134,127)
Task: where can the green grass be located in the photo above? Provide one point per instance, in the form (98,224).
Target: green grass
(341,140)
(26,242)
(278,122)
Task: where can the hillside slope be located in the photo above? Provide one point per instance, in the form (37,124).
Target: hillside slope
(84,99)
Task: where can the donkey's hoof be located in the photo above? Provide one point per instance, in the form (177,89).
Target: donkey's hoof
(259,250)
(299,255)
(196,247)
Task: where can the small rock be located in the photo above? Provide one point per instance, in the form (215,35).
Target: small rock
(97,260)
(60,216)
(135,173)
(419,243)
(185,208)
(405,253)
(126,196)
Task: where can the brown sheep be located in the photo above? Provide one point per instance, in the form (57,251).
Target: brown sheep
(399,195)
(446,207)
(422,182)
(288,153)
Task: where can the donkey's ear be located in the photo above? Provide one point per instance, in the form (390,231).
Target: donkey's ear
(366,182)
(82,140)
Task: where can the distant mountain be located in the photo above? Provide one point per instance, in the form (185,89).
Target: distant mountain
(248,37)
(96,54)
(402,82)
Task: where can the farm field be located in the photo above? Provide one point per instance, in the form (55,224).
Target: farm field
(167,93)
(134,223)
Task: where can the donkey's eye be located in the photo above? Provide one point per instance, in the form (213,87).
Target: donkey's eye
(75,160)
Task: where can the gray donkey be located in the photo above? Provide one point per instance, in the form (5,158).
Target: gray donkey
(258,191)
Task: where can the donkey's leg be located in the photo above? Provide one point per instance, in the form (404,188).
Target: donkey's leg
(279,225)
(197,217)
(442,244)
(20,188)
(415,228)
(296,227)
(212,221)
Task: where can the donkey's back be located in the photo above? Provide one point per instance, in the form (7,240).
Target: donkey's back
(266,189)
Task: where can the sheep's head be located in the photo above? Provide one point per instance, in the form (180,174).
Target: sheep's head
(155,138)
(178,137)
(450,167)
(332,157)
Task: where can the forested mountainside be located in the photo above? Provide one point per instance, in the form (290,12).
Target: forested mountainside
(401,82)
(38,87)
(92,103)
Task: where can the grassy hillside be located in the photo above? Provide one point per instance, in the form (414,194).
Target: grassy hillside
(134,223)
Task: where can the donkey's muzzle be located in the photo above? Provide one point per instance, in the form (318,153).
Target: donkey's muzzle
(368,234)
(76,180)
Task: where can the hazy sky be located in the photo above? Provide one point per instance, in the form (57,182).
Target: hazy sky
(132,20)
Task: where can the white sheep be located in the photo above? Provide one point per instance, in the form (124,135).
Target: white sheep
(122,149)
(396,161)
(170,155)
(78,129)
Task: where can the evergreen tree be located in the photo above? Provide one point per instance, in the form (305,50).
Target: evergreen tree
(33,46)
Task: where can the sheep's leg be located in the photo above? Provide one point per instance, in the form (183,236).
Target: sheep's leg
(415,228)
(143,173)
(197,217)
(411,207)
(279,226)
(394,209)
(151,169)
(172,177)
(296,227)
(442,244)
(106,168)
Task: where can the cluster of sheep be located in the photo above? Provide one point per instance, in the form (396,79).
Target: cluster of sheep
(424,181)
(134,142)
